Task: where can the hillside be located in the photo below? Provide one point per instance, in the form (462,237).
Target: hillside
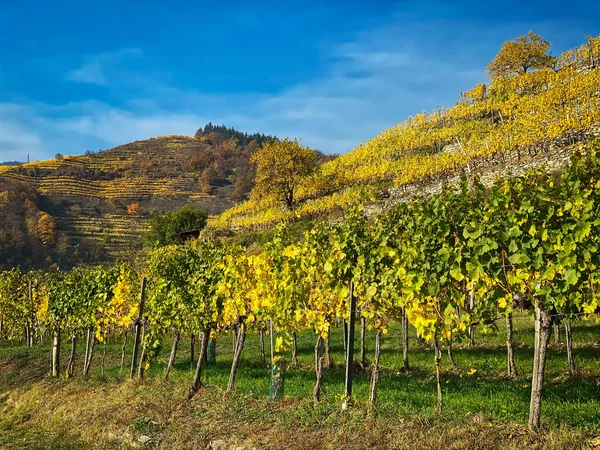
(88,196)
(100,202)
(517,121)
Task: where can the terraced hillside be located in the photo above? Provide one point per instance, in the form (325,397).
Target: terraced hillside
(517,120)
(88,196)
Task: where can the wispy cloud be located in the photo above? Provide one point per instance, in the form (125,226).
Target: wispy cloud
(17,141)
(103,68)
(116,126)
(371,83)
(372,80)
(91,72)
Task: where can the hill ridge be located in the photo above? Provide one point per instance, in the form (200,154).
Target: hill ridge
(516,114)
(88,195)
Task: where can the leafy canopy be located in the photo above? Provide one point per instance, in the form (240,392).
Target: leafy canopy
(517,57)
(280,167)
(166,228)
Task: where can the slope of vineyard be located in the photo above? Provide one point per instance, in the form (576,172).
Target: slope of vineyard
(457,264)
(516,118)
(88,195)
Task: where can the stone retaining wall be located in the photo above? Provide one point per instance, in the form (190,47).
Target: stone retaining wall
(553,155)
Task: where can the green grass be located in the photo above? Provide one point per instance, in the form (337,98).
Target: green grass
(111,411)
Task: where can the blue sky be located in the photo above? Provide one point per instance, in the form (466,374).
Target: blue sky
(77,75)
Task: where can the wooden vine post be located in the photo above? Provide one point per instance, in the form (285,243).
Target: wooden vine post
(569,342)
(294,349)
(543,330)
(138,330)
(345,339)
(30,322)
(375,372)
(56,353)
(319,372)
(91,343)
(405,365)
(261,334)
(71,366)
(471,327)
(350,348)
(192,349)
(437,359)
(123,349)
(512,368)
(363,334)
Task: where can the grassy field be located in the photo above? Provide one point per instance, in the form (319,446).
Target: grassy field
(482,408)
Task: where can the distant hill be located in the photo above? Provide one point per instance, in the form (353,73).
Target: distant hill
(89,197)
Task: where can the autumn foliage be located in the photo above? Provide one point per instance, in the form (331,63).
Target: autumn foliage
(517,57)
(516,115)
(134,209)
(280,168)
(45,229)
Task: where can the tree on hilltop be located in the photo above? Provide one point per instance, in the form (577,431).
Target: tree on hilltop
(520,55)
(214,134)
(280,166)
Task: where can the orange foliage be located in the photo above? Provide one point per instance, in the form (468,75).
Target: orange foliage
(134,209)
(45,229)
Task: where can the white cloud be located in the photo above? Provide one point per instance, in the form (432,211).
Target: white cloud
(372,81)
(17,142)
(116,126)
(103,68)
(90,73)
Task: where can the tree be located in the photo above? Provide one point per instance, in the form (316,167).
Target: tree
(280,167)
(134,209)
(201,159)
(45,229)
(166,228)
(242,184)
(517,57)
(207,179)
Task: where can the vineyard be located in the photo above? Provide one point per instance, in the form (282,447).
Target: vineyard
(116,233)
(88,195)
(517,117)
(460,264)
(436,287)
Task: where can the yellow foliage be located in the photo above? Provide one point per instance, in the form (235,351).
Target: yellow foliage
(280,166)
(477,94)
(45,229)
(517,57)
(526,110)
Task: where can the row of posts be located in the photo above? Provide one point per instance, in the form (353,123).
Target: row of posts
(277,366)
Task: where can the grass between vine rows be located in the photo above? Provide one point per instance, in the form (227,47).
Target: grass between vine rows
(482,408)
